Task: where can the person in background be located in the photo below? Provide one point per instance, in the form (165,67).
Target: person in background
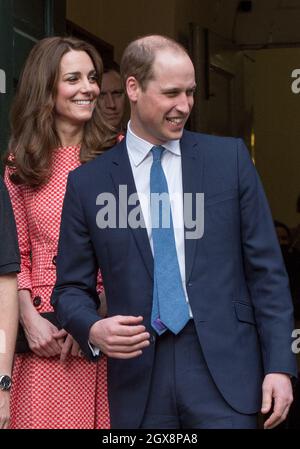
(283,234)
(295,232)
(56,125)
(9,310)
(291,257)
(112,97)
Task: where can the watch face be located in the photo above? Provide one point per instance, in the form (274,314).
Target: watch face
(5,383)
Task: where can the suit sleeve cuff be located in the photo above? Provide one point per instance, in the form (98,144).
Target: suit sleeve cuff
(94,350)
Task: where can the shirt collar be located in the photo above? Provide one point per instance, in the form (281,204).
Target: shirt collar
(139,148)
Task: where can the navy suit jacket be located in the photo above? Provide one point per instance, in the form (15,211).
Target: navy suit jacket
(235,277)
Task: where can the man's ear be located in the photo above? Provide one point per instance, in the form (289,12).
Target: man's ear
(133,88)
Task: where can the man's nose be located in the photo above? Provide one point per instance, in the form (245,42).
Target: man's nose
(109,101)
(184,104)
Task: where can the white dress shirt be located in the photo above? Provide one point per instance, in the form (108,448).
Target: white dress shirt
(140,156)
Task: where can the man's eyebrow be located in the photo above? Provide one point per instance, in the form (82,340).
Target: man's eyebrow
(170,89)
(177,89)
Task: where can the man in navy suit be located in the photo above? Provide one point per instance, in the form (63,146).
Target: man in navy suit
(232,357)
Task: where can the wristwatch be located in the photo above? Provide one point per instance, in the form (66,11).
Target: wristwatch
(5,382)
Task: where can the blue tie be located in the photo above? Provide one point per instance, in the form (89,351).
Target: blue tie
(170,309)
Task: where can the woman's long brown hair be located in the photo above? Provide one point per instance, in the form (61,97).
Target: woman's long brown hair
(33,133)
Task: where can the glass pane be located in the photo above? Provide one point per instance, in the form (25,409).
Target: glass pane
(29,16)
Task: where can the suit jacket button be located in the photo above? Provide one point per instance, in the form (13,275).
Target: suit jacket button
(54,260)
(37,301)
(152,339)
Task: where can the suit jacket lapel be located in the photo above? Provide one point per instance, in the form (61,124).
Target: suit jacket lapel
(121,174)
(192,181)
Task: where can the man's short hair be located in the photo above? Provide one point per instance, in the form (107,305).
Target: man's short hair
(139,55)
(111,66)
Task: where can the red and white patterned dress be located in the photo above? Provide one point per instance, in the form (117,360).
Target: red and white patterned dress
(45,392)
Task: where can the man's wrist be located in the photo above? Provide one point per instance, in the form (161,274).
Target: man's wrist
(93,328)
(94,350)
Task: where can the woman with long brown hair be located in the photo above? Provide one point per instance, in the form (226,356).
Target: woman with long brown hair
(56,125)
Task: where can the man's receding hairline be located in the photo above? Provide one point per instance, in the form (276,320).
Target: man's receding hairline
(160,43)
(139,56)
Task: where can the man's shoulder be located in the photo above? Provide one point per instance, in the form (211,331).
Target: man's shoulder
(210,139)
(217,149)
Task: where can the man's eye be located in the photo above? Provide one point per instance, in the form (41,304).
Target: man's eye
(118,93)
(190,93)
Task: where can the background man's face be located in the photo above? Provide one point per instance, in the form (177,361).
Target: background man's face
(283,236)
(112,98)
(160,112)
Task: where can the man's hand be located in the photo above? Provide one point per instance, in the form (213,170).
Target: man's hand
(276,387)
(121,337)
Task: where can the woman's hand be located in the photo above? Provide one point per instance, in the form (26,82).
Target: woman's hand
(69,346)
(102,310)
(40,334)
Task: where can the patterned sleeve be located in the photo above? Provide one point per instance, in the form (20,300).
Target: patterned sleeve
(100,287)
(17,200)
